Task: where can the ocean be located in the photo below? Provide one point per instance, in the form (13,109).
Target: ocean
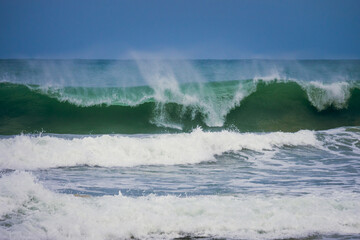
(179,149)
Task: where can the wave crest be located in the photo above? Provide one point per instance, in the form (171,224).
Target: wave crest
(252,105)
(29,152)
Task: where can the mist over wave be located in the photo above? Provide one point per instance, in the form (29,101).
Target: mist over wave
(252,105)
(148,96)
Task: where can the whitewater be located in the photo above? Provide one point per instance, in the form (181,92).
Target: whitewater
(179,149)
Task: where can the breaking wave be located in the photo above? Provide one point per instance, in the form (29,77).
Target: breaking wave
(32,152)
(252,105)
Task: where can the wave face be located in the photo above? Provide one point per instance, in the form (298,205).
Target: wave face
(253,105)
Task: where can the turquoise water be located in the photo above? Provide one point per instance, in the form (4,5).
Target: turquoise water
(246,149)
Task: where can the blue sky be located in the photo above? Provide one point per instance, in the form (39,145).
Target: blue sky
(186,29)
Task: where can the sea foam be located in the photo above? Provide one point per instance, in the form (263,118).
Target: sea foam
(50,215)
(32,152)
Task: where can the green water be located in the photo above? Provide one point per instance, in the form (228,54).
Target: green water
(268,106)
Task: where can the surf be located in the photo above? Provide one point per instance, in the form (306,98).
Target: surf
(33,152)
(244,216)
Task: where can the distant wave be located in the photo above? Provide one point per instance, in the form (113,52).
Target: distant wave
(251,105)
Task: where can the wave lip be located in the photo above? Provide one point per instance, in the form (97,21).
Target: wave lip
(213,100)
(32,152)
(323,96)
(51,215)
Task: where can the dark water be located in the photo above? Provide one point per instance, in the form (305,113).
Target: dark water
(268,106)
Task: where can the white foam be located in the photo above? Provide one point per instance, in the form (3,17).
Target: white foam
(320,94)
(323,95)
(31,152)
(32,212)
(343,142)
(86,97)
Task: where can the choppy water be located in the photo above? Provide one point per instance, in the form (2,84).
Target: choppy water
(223,149)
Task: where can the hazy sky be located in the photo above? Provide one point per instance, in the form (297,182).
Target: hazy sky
(186,29)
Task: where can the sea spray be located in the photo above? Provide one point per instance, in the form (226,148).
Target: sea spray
(182,93)
(251,105)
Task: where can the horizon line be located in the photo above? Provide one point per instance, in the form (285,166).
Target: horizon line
(191,59)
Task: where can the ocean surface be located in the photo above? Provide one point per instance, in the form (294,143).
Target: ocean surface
(179,149)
